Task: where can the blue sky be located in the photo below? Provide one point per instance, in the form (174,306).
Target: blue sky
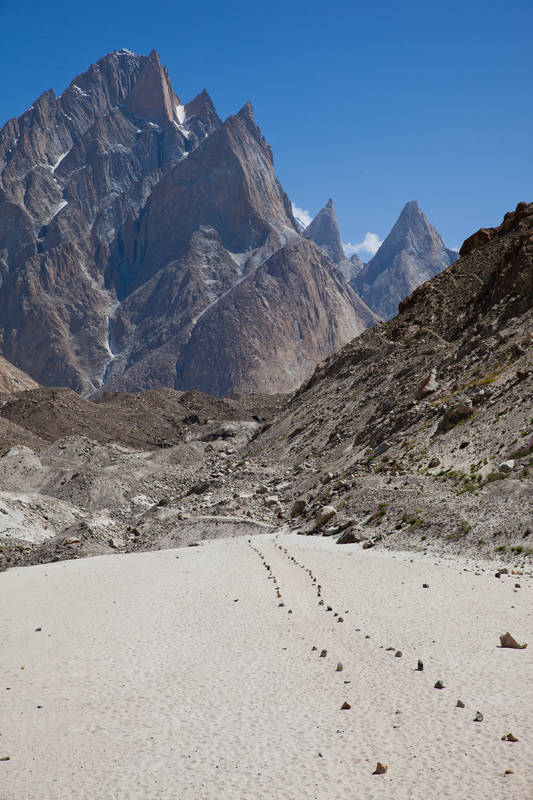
(371,103)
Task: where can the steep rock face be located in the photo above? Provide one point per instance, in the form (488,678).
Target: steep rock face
(351,267)
(72,170)
(412,253)
(228,183)
(295,305)
(126,215)
(324,231)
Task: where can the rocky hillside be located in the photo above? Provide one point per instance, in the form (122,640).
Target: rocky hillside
(417,434)
(423,427)
(13,379)
(127,216)
(412,253)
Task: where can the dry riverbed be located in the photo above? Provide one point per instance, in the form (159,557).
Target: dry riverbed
(192,673)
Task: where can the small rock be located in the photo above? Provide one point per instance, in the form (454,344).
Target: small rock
(478,717)
(509,738)
(345,706)
(434,463)
(314,648)
(509,772)
(506,640)
(37,630)
(323,653)
(339,667)
(420,666)
(507,466)
(271,500)
(398,654)
(425,586)
(367,545)
(72,540)
(329,608)
(381,769)
(439,685)
(5,758)
(341,619)
(459,704)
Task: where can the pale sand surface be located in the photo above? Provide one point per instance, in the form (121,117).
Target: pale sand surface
(154,683)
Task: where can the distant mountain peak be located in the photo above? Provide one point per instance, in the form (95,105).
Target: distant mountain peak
(324,231)
(412,253)
(246,111)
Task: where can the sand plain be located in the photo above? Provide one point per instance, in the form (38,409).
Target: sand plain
(179,674)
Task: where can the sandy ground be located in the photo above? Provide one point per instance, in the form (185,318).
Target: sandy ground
(178,674)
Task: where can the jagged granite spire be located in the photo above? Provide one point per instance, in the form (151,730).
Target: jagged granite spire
(126,216)
(324,231)
(412,253)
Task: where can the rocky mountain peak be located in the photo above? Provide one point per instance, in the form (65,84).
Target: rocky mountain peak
(324,231)
(412,253)
(168,232)
(246,111)
(152,96)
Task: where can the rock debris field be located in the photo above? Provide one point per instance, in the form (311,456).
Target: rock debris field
(273,666)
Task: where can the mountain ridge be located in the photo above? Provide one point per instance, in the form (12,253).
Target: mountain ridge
(102,189)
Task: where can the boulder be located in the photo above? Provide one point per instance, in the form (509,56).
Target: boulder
(323,515)
(348,537)
(428,386)
(297,508)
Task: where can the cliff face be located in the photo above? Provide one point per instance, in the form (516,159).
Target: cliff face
(124,216)
(412,253)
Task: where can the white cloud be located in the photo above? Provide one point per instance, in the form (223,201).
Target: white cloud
(370,245)
(302,216)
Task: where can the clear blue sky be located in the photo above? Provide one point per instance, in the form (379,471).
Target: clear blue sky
(371,103)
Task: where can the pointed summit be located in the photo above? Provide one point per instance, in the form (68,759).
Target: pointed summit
(412,253)
(324,231)
(152,96)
